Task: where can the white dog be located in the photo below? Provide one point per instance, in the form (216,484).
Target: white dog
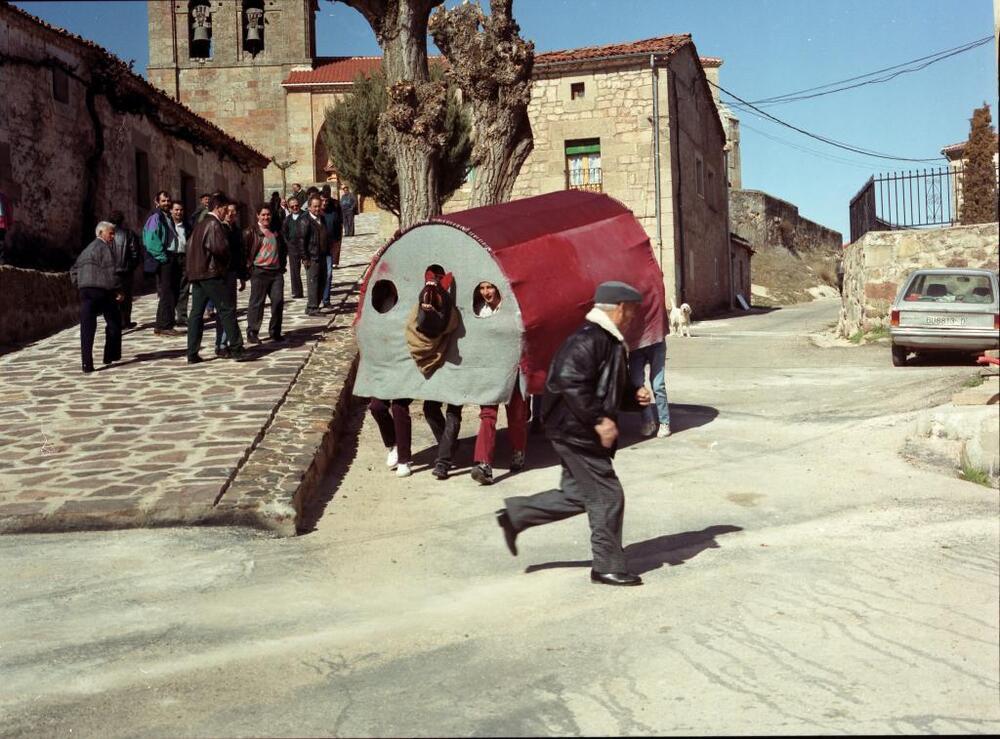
(680,320)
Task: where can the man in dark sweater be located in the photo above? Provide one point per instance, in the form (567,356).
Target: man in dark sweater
(97,273)
(207,261)
(588,384)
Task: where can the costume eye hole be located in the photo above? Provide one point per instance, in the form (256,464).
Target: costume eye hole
(384,296)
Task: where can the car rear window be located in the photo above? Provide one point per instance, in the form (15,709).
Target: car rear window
(945,288)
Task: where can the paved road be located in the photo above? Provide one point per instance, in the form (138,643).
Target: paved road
(149,440)
(800,578)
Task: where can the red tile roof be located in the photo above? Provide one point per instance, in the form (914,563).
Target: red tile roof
(336,70)
(340,70)
(661,45)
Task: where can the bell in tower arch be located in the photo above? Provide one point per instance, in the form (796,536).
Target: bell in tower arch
(253,24)
(200,14)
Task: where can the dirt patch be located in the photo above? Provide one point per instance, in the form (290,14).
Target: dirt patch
(789,278)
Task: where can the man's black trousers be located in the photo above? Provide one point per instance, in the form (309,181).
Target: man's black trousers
(315,273)
(266,284)
(588,484)
(445,429)
(94,302)
(295,270)
(168,288)
(202,291)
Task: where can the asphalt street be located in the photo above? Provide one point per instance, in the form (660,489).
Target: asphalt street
(800,576)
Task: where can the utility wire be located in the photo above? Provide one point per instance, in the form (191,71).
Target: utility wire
(820,90)
(814,152)
(818,137)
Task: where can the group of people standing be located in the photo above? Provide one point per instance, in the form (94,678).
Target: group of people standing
(201,262)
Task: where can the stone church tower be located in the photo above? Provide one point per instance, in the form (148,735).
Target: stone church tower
(226,60)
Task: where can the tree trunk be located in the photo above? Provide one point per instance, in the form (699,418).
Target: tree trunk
(492,66)
(412,127)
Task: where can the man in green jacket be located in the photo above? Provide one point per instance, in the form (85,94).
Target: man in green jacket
(158,238)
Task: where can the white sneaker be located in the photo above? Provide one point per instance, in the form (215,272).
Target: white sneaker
(664,431)
(403,470)
(392,458)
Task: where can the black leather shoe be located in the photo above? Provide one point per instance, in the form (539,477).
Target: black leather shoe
(87,369)
(196,359)
(253,338)
(440,471)
(509,532)
(277,337)
(615,578)
(239,356)
(222,351)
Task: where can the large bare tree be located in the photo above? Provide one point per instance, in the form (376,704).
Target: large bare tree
(491,64)
(413,125)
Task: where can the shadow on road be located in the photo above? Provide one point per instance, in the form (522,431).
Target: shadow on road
(755,310)
(942,359)
(652,554)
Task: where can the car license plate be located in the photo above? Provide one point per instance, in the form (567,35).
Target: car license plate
(944,320)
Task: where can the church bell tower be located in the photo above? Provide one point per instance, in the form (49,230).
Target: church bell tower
(226,60)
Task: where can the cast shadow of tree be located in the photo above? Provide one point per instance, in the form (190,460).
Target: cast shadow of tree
(652,554)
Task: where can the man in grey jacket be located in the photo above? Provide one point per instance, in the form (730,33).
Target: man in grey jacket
(97,273)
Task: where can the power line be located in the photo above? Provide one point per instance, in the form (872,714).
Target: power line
(818,137)
(822,155)
(896,71)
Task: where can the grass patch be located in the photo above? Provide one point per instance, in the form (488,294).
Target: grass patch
(971,473)
(856,337)
(879,332)
(974,381)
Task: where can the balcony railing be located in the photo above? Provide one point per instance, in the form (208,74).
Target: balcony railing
(589,178)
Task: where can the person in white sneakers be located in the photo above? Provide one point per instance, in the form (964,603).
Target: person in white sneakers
(393,419)
(655,418)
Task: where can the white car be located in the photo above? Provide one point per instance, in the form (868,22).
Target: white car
(945,310)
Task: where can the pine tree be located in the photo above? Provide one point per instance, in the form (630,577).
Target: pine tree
(351,135)
(979,178)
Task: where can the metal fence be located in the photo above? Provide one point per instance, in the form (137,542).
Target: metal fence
(912,199)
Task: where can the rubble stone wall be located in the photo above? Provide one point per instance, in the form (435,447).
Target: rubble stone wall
(35,304)
(764,220)
(876,264)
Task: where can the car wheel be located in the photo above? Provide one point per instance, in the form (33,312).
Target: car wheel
(899,355)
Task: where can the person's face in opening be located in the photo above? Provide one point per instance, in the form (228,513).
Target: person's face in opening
(489,293)
(314,206)
(264,218)
(177,212)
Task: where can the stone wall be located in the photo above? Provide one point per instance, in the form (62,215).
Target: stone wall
(35,304)
(876,264)
(764,220)
(55,146)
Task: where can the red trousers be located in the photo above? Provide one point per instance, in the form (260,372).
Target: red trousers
(517,427)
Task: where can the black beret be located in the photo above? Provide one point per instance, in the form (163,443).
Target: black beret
(614,292)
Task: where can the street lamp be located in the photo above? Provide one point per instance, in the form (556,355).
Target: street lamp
(283,166)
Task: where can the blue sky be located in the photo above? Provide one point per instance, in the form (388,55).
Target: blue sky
(770,47)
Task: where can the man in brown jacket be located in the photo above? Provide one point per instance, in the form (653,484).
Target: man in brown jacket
(207,260)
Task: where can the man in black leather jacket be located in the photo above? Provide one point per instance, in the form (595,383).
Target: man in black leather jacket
(587,385)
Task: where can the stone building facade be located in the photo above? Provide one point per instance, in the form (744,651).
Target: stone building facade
(82,135)
(592,114)
(236,81)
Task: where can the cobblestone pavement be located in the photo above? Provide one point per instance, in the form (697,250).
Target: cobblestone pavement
(150,440)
